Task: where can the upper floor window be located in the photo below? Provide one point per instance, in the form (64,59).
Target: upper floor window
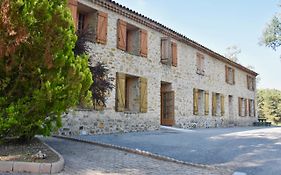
(169,52)
(94,25)
(81,21)
(200,64)
(250,83)
(131,38)
(229,75)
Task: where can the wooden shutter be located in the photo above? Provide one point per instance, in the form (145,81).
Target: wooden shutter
(249,107)
(206,103)
(143,43)
(240,106)
(222,105)
(166,50)
(195,101)
(174,54)
(101,36)
(226,73)
(214,104)
(254,106)
(121,35)
(120,92)
(72,5)
(143,94)
(246,107)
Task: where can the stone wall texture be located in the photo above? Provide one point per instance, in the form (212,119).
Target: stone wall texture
(183,79)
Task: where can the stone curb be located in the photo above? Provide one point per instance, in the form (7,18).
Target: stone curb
(143,153)
(33,167)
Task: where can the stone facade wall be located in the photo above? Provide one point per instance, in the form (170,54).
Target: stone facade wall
(183,79)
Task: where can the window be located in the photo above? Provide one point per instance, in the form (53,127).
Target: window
(131,39)
(168,52)
(217,104)
(94,23)
(251,106)
(81,21)
(242,107)
(250,83)
(200,64)
(131,93)
(200,102)
(229,75)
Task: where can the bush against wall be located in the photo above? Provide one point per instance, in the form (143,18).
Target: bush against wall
(103,84)
(40,77)
(269,104)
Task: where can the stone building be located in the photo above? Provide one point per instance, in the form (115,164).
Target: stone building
(161,76)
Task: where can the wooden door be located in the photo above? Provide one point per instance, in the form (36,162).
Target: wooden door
(168,108)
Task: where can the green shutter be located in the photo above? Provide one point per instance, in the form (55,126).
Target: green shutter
(120,92)
(195,101)
(222,105)
(143,94)
(206,103)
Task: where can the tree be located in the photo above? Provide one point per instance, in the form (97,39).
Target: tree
(40,78)
(272,34)
(269,104)
(232,53)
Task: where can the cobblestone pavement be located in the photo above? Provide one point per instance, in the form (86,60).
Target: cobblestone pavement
(252,150)
(89,159)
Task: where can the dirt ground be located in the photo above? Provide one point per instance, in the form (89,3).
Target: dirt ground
(16,151)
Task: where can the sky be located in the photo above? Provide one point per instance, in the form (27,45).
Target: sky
(218,24)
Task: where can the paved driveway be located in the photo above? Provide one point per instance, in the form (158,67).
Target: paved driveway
(256,151)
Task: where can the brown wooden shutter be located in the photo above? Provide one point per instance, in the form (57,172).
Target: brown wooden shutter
(222,105)
(72,5)
(121,35)
(174,54)
(101,36)
(249,107)
(120,92)
(166,50)
(254,106)
(206,103)
(226,73)
(143,94)
(240,106)
(143,43)
(246,107)
(214,104)
(195,101)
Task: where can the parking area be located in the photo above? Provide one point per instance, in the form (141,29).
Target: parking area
(255,151)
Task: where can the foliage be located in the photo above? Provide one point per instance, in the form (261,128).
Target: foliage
(102,86)
(269,104)
(40,77)
(232,53)
(272,34)
(102,82)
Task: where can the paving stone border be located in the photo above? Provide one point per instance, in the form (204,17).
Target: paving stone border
(143,153)
(33,167)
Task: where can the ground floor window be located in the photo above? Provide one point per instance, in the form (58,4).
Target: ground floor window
(131,93)
(251,106)
(217,104)
(200,102)
(242,107)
